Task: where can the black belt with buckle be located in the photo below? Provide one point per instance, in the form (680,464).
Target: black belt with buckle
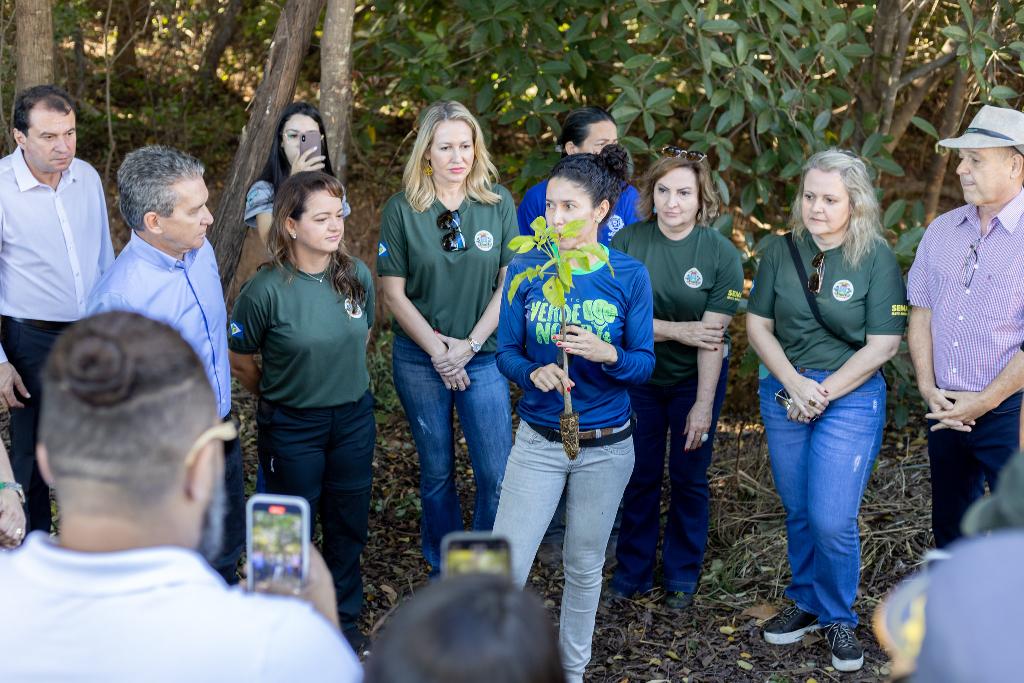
(47,325)
(590,438)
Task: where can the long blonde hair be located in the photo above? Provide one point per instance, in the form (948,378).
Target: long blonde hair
(419,187)
(865,228)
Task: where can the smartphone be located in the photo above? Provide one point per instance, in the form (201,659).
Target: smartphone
(277,543)
(469,552)
(309,141)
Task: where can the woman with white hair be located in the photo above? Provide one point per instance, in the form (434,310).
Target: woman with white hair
(822,339)
(442,257)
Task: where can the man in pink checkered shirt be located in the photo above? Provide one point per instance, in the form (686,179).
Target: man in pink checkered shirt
(966,290)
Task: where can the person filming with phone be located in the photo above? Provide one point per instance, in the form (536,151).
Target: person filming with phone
(132,442)
(826,311)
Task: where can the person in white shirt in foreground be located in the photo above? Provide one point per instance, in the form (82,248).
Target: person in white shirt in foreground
(131,441)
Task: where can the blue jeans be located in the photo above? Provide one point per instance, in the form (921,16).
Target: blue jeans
(538,472)
(820,471)
(660,412)
(485,414)
(961,463)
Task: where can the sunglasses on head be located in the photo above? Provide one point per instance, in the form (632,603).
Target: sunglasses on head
(814,281)
(451,223)
(673,151)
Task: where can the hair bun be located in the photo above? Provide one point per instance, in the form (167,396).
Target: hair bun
(99,372)
(615,159)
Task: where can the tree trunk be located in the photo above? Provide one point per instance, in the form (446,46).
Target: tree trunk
(288,48)
(223,31)
(34,41)
(951,115)
(336,80)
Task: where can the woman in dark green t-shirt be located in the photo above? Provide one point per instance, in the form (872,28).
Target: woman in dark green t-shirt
(308,313)
(821,389)
(442,257)
(697,280)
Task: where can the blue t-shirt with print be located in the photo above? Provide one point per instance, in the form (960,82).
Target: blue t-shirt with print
(617,308)
(623,214)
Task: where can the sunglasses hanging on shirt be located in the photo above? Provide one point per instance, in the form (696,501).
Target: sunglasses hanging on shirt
(451,223)
(814,281)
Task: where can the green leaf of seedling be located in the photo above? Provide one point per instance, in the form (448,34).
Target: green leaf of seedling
(522,244)
(538,225)
(554,293)
(513,286)
(571,229)
(565,274)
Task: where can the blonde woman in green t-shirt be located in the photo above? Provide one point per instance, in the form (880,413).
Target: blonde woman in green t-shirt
(827,309)
(308,313)
(442,257)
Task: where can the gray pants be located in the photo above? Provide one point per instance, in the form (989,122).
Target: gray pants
(537,472)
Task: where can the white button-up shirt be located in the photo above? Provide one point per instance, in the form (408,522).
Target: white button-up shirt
(54,244)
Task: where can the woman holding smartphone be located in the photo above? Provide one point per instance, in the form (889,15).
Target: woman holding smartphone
(698,283)
(585,131)
(308,312)
(611,347)
(826,311)
(442,257)
(300,144)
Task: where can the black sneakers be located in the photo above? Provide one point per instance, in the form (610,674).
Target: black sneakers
(847,654)
(789,626)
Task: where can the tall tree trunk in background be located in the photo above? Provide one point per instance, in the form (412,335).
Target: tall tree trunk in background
(223,31)
(951,115)
(34,41)
(288,48)
(336,80)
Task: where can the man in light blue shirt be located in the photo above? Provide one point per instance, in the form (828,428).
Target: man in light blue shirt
(168,272)
(54,247)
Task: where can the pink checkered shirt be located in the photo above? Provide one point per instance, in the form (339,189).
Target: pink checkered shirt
(976,329)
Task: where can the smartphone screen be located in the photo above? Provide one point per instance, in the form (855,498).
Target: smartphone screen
(277,543)
(309,141)
(475,553)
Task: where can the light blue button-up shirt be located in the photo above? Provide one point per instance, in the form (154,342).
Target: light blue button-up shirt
(54,244)
(186,294)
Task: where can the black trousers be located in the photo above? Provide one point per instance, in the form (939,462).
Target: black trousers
(27,349)
(226,563)
(325,455)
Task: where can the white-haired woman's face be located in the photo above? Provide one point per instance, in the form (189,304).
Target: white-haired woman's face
(451,152)
(825,205)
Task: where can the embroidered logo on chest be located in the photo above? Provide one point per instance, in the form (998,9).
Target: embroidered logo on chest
(353,309)
(693,278)
(484,240)
(842,290)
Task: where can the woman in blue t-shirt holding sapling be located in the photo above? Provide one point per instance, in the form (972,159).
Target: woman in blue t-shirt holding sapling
(298,120)
(610,341)
(585,131)
(697,279)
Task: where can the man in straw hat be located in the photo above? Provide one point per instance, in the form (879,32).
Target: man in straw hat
(966,290)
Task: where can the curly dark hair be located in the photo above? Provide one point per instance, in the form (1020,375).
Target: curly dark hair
(602,176)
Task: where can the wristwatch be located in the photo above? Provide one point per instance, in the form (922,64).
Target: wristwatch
(14,486)
(475,345)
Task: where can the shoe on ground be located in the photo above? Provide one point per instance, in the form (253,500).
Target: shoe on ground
(789,626)
(612,596)
(360,643)
(678,600)
(847,654)
(550,554)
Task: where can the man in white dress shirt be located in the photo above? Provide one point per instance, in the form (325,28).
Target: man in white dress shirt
(54,246)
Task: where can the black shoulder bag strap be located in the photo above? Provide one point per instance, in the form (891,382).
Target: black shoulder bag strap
(811,302)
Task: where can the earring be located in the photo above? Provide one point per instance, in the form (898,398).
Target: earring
(428,170)
(294,236)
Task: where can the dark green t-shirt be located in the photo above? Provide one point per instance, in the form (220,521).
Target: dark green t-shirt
(449,289)
(855,302)
(313,340)
(701,272)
